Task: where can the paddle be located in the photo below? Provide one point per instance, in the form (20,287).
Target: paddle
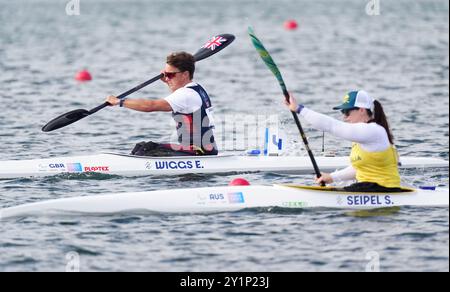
(215,45)
(273,67)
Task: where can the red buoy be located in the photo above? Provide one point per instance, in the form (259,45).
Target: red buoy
(291,25)
(239,182)
(83,76)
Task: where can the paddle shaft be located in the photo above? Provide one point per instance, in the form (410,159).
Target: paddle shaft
(125,94)
(200,55)
(305,140)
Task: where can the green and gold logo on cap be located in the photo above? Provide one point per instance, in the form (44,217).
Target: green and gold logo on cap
(347,99)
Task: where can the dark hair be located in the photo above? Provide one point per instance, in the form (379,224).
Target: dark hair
(182,61)
(380,118)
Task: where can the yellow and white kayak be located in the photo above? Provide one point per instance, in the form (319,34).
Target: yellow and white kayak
(230,198)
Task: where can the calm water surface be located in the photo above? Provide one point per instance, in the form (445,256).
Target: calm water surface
(400,56)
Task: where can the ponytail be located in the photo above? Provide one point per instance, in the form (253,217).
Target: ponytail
(379,117)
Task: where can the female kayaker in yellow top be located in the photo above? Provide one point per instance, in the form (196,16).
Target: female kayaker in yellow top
(374,160)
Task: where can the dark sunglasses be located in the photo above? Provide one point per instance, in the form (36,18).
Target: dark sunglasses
(346,112)
(170,75)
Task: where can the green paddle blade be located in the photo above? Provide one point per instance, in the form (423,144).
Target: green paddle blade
(265,56)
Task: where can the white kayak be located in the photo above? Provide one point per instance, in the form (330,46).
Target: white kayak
(226,199)
(127,165)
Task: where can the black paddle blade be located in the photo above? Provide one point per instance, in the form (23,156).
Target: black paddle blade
(213,46)
(65,119)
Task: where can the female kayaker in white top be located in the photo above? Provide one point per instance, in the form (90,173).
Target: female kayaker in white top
(374,160)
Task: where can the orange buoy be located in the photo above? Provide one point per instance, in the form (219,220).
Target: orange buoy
(291,25)
(239,182)
(83,76)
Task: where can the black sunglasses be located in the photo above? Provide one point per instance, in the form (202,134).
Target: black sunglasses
(170,75)
(346,112)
